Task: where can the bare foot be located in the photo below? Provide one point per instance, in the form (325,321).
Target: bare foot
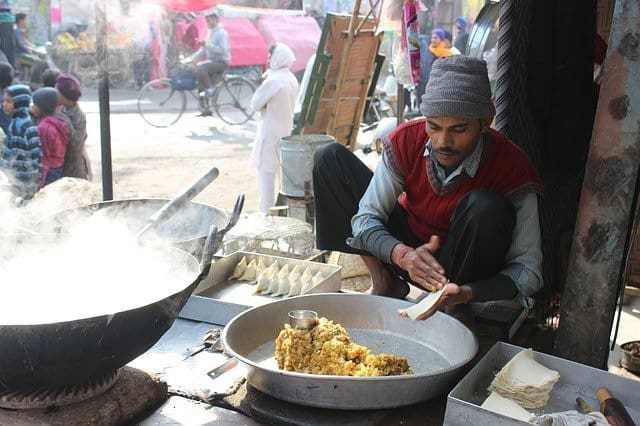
(383,283)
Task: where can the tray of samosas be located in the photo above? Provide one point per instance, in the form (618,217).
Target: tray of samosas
(244,280)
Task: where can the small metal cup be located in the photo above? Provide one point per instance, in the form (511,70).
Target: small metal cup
(303,319)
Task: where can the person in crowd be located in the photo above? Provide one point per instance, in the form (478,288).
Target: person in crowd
(448,42)
(76,160)
(7,42)
(26,51)
(49,78)
(6,79)
(53,133)
(214,57)
(275,100)
(21,156)
(438,46)
(452,204)
(462,36)
(430,50)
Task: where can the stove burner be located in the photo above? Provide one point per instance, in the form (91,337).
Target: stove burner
(24,399)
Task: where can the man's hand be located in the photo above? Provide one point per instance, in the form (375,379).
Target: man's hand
(422,267)
(453,295)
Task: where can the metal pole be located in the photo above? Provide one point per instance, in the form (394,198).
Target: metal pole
(595,265)
(103,98)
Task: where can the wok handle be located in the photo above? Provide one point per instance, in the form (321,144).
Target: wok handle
(177,203)
(210,247)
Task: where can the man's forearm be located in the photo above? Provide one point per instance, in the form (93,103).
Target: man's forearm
(377,241)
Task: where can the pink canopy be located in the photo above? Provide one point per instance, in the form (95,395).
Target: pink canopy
(189,5)
(300,33)
(248,47)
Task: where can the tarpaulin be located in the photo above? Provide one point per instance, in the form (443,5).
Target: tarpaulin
(248,47)
(189,5)
(300,33)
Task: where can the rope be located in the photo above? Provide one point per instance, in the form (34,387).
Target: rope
(505,35)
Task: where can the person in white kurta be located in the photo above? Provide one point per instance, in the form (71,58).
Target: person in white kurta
(275,100)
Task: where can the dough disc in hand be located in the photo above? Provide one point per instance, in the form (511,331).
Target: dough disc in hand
(424,305)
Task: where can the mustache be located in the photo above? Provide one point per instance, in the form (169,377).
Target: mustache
(446,151)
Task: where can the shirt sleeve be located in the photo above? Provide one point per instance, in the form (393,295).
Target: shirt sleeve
(77,126)
(20,41)
(219,44)
(263,94)
(380,198)
(523,262)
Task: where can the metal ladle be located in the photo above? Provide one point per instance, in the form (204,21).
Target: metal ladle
(177,203)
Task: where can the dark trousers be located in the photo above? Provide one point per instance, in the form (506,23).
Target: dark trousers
(481,227)
(206,70)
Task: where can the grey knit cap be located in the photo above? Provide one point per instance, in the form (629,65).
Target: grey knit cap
(46,98)
(458,87)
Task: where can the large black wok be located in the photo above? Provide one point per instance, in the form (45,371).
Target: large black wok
(70,352)
(186,229)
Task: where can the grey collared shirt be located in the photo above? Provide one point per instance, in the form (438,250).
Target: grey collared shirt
(523,262)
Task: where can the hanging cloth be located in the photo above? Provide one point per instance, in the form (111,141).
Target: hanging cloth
(411,39)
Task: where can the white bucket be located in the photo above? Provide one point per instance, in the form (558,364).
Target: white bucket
(297,161)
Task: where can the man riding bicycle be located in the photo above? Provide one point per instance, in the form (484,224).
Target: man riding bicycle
(213,59)
(27,53)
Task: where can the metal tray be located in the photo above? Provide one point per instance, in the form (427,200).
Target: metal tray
(437,349)
(216,300)
(463,402)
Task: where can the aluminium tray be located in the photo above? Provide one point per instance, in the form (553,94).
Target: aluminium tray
(463,402)
(217,299)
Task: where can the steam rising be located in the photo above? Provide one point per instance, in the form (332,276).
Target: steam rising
(98,269)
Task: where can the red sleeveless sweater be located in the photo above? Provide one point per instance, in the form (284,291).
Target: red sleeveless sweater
(504,168)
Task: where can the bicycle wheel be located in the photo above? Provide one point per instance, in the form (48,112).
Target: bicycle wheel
(159,104)
(232,100)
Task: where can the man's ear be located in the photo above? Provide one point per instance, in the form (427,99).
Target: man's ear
(485,123)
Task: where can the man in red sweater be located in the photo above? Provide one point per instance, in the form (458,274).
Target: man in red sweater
(452,202)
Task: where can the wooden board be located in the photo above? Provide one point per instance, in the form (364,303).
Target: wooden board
(348,77)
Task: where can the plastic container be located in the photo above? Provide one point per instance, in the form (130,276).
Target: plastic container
(297,161)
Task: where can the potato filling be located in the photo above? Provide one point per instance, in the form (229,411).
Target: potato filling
(327,349)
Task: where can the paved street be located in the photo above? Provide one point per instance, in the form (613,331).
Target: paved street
(152,162)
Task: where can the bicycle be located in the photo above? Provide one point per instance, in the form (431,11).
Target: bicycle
(162,102)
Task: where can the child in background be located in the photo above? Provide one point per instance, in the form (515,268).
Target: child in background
(21,155)
(76,161)
(53,133)
(49,78)
(6,79)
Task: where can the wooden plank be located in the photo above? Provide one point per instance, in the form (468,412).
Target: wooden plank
(348,77)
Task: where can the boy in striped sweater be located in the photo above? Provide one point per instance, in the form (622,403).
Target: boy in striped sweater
(21,156)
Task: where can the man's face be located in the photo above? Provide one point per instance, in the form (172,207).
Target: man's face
(64,101)
(7,104)
(35,110)
(454,138)
(212,22)
(23,23)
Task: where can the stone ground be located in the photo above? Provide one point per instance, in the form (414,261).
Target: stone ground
(154,162)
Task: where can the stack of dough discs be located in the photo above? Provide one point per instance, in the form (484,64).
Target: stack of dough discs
(525,381)
(506,407)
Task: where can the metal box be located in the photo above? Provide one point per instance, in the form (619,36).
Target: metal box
(463,402)
(216,300)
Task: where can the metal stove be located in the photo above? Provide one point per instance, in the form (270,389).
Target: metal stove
(44,397)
